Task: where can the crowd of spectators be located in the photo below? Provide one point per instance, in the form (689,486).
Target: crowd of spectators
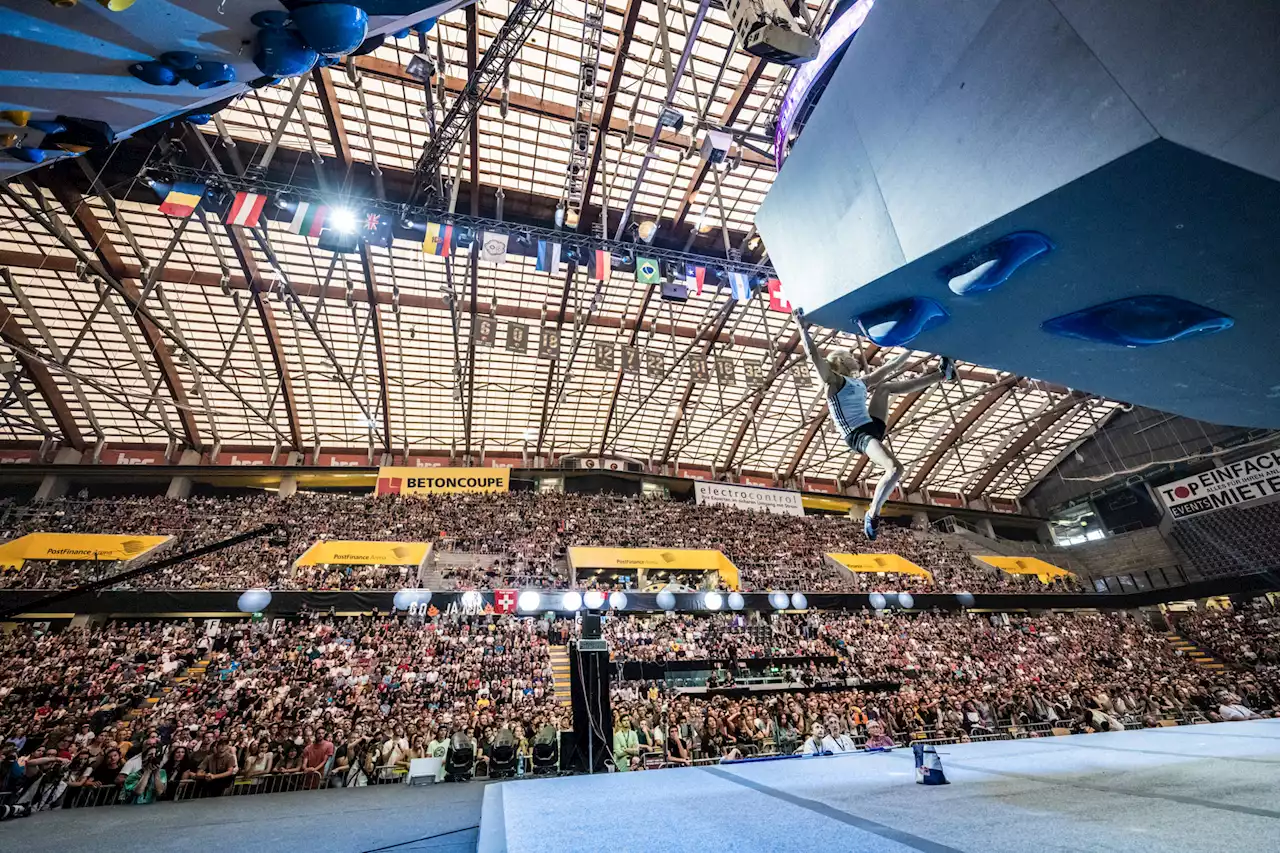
(138,712)
(1247,637)
(525,535)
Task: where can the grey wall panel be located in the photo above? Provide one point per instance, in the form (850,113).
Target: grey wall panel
(1203,72)
(1026,109)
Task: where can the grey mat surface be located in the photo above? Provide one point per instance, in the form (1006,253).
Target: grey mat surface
(1197,788)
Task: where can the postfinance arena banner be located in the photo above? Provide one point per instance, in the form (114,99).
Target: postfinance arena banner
(441,481)
(1239,483)
(779,501)
(635,559)
(880,564)
(1027,566)
(77,546)
(348,553)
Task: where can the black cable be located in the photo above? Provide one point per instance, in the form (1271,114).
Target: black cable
(423,838)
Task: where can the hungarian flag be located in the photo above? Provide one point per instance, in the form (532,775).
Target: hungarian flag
(778,300)
(309,219)
(602,266)
(548,257)
(694,276)
(647,271)
(246,209)
(504,601)
(182,200)
(438,239)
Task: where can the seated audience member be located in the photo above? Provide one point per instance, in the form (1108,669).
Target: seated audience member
(149,782)
(876,738)
(1231,710)
(819,742)
(677,753)
(217,771)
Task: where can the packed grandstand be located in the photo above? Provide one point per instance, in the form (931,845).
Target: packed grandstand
(135,711)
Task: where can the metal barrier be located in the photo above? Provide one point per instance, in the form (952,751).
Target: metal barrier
(85,797)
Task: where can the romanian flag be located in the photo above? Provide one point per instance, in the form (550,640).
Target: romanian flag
(246,209)
(602,266)
(182,200)
(309,219)
(438,240)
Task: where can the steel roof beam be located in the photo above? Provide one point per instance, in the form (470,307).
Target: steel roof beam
(1011,452)
(958,429)
(787,349)
(82,215)
(717,327)
(13,335)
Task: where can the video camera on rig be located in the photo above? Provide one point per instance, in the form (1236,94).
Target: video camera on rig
(767,29)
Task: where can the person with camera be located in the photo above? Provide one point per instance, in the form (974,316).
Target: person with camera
(149,782)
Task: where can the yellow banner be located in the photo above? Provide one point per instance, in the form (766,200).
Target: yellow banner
(636,559)
(880,564)
(348,553)
(76,546)
(439,481)
(1027,566)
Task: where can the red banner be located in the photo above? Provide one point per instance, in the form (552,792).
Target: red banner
(504,601)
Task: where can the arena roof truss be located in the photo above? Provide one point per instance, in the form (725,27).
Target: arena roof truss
(124,326)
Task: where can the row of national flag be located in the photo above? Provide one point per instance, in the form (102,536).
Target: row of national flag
(317,220)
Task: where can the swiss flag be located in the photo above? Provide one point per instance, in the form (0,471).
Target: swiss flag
(778,300)
(504,601)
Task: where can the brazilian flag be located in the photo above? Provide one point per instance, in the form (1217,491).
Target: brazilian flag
(647,271)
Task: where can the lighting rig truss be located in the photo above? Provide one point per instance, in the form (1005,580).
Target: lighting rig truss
(576,247)
(584,112)
(515,30)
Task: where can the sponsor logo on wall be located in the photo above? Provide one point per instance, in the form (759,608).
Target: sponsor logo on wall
(778,501)
(1247,481)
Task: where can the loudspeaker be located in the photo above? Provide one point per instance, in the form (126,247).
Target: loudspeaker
(591,626)
(592,714)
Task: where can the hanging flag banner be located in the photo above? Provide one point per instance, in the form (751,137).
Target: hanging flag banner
(439,481)
(182,200)
(778,300)
(437,239)
(517,337)
(697,367)
(800,373)
(486,331)
(726,373)
(740,286)
(653,364)
(754,373)
(338,552)
(548,257)
(601,265)
(647,271)
(549,343)
(694,276)
(375,228)
(1236,484)
(777,501)
(309,219)
(604,355)
(246,210)
(630,359)
(101,547)
(494,248)
(504,600)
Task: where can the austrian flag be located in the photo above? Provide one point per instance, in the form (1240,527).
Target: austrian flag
(246,210)
(504,601)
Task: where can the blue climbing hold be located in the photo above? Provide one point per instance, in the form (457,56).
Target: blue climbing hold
(331,28)
(179,60)
(899,323)
(199,118)
(281,53)
(207,74)
(154,73)
(28,155)
(991,266)
(1139,321)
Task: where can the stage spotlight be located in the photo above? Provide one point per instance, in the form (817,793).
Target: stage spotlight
(571,600)
(593,599)
(713,600)
(799,601)
(906,600)
(405,597)
(965,599)
(876,600)
(647,230)
(779,600)
(342,220)
(666,600)
(618,600)
(253,600)
(529,600)
(736,601)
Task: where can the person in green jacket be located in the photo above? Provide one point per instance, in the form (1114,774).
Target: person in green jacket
(625,744)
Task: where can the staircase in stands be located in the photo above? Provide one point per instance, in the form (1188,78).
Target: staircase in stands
(560,674)
(1191,650)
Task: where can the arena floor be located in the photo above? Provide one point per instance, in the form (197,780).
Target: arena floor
(1200,788)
